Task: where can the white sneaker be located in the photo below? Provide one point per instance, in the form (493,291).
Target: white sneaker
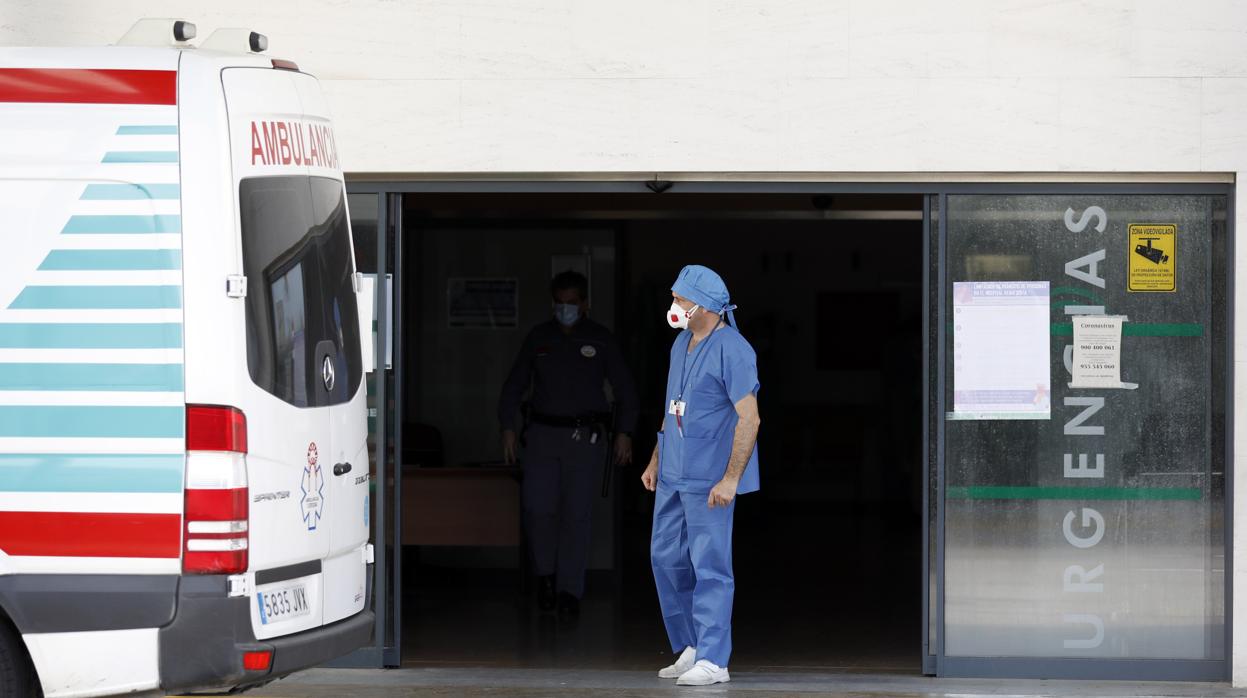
(682,664)
(704,673)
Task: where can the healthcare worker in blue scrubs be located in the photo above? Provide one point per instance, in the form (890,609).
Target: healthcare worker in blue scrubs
(706,455)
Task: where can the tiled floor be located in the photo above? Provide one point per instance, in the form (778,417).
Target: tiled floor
(323,683)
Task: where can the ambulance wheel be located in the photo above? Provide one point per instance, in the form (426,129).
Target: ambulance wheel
(17,676)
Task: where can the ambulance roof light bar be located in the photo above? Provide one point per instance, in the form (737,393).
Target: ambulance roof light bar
(231,39)
(159,32)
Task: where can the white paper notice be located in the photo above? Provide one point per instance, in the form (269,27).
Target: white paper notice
(1001,350)
(1097,352)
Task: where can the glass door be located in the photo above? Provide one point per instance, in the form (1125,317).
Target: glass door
(1078,409)
(374,218)
(932,433)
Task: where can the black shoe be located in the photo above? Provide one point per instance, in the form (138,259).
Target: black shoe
(545,593)
(569,606)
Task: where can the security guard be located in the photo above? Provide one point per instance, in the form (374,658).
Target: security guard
(566,361)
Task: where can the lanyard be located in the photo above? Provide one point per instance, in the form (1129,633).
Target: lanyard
(684,377)
(696,356)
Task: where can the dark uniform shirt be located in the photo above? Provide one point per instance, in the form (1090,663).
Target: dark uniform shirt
(567,373)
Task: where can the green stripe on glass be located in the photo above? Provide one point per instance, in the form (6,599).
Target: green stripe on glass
(122,225)
(92,377)
(88,335)
(1075,493)
(1141,329)
(130,192)
(102,473)
(76,421)
(146,130)
(140,156)
(112,260)
(98,298)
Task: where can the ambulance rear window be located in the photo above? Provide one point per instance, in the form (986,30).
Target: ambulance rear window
(302,321)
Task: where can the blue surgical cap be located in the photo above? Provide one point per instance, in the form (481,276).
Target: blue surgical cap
(705,288)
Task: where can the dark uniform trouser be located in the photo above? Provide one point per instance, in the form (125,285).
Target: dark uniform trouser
(561,479)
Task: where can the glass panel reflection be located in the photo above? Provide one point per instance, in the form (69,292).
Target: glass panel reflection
(1097,533)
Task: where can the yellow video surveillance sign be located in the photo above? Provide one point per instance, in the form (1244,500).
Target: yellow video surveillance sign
(1153,258)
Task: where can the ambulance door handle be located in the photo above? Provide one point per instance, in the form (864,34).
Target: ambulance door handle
(341,468)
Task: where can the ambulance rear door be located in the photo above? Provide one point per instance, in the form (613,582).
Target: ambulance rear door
(286,242)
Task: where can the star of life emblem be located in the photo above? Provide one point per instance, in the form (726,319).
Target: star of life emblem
(313,487)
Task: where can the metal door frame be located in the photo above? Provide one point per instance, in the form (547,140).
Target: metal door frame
(932,660)
(386,577)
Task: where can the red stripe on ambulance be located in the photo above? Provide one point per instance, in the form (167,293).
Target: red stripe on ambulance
(78,534)
(88,86)
(295,143)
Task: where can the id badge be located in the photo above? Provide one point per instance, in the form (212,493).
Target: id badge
(677,408)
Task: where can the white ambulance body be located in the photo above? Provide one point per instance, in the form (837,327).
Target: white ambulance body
(183,439)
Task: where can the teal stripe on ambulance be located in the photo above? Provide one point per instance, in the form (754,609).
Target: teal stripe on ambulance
(122,225)
(77,421)
(147,130)
(55,472)
(112,260)
(98,298)
(130,192)
(140,156)
(92,377)
(90,335)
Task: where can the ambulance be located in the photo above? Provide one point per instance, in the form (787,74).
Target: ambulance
(184,467)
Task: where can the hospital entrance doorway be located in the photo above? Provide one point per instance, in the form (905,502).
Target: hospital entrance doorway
(827,556)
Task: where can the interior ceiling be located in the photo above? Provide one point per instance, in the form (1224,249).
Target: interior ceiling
(666,205)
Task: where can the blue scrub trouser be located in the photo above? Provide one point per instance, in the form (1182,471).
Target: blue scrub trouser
(691,551)
(561,480)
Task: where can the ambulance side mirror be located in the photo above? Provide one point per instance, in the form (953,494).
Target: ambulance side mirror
(366,300)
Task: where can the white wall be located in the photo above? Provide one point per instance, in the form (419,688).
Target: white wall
(848,86)
(735,85)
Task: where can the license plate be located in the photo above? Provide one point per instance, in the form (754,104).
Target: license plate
(280,604)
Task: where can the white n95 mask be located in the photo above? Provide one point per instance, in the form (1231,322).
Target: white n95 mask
(678,317)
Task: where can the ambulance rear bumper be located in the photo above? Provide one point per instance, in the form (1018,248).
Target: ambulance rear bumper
(203,647)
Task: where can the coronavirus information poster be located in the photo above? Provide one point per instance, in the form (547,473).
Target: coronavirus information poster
(1001,354)
(1097,352)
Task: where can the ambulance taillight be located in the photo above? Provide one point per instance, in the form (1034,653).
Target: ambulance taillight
(215,534)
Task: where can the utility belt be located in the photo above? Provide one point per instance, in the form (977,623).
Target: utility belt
(589,426)
(590,420)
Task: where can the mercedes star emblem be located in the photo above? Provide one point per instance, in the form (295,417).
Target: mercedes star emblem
(326,372)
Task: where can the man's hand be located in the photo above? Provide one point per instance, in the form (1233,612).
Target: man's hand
(508,446)
(623,449)
(723,493)
(649,478)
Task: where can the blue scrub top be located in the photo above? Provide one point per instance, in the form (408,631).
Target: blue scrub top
(719,372)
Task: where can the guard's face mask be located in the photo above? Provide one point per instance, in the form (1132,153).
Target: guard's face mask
(678,317)
(567,314)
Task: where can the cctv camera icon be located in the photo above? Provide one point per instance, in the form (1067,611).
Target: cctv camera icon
(1152,254)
